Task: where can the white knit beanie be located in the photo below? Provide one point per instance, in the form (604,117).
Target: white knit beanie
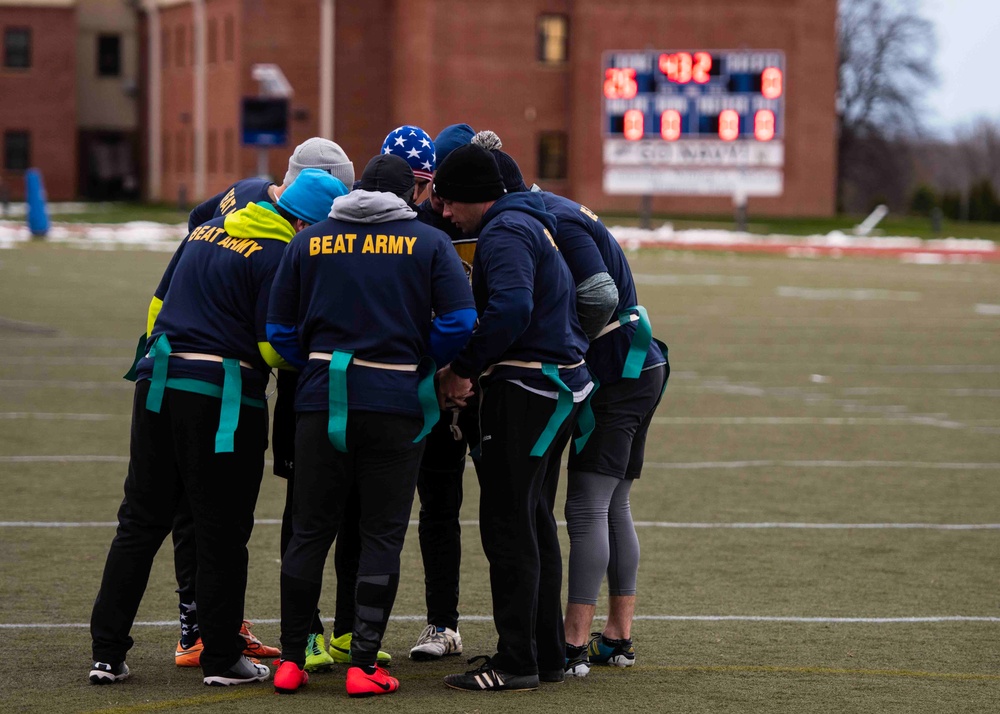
(320,153)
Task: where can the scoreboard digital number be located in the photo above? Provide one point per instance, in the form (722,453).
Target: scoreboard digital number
(672,95)
(717,114)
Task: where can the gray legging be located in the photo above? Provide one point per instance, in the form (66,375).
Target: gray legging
(601,535)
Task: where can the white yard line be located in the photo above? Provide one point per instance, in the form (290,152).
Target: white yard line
(52,416)
(931,619)
(823,464)
(857,294)
(825,421)
(638,524)
(64,384)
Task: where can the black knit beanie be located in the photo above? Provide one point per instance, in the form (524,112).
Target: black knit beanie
(510,172)
(469,175)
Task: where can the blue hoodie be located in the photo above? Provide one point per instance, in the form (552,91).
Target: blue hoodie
(525,297)
(214,297)
(241,193)
(579,231)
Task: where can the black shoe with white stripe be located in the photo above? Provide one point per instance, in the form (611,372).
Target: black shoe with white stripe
(243,672)
(104,673)
(486,678)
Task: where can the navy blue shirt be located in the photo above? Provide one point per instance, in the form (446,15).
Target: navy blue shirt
(367,288)
(241,193)
(525,296)
(589,248)
(215,294)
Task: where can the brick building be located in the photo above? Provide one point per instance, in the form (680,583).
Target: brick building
(530,70)
(68,83)
(38,95)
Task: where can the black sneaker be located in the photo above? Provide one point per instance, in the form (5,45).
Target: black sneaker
(104,673)
(243,672)
(577,661)
(552,675)
(487,679)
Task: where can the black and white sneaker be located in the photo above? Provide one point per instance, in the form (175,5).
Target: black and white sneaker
(104,673)
(487,679)
(243,672)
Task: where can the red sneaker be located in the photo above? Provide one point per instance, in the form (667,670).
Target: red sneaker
(289,678)
(362,684)
(256,648)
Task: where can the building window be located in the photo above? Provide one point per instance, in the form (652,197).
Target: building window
(17,47)
(180,46)
(553,39)
(552,155)
(109,55)
(16,150)
(212,40)
(227,151)
(165,47)
(229,39)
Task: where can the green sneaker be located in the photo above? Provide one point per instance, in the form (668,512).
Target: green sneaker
(340,651)
(317,658)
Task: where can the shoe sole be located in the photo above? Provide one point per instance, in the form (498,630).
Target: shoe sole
(232,681)
(621,661)
(325,667)
(580,671)
(463,689)
(420,656)
(97,677)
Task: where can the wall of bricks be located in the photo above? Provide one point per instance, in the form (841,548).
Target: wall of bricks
(438,62)
(41,99)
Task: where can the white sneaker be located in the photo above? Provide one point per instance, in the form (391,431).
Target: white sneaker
(243,672)
(436,642)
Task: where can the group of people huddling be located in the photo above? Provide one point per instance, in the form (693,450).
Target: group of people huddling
(490,317)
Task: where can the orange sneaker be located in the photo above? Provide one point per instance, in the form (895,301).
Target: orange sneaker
(190,657)
(256,648)
(289,678)
(362,684)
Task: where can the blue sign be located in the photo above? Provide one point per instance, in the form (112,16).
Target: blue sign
(264,122)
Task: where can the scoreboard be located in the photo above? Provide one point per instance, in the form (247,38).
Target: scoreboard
(694,122)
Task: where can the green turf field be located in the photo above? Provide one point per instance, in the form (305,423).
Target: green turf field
(818,514)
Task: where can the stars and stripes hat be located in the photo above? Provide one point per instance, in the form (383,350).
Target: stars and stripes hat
(415,146)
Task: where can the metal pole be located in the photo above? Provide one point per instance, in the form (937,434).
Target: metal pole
(200,112)
(262,167)
(327,59)
(646,211)
(154,138)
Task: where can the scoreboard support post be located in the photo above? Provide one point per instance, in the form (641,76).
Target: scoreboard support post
(646,211)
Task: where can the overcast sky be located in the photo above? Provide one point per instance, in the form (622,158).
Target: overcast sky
(968,62)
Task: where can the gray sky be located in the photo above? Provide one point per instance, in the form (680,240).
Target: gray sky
(968,62)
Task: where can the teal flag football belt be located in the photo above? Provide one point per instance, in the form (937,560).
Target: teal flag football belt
(338,402)
(640,340)
(231,391)
(564,404)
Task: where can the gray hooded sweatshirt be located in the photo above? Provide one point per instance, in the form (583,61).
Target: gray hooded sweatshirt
(371,207)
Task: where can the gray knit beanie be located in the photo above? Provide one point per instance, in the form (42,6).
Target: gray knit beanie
(320,153)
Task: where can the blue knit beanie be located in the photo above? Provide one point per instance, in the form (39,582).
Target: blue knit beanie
(452,137)
(414,145)
(311,194)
